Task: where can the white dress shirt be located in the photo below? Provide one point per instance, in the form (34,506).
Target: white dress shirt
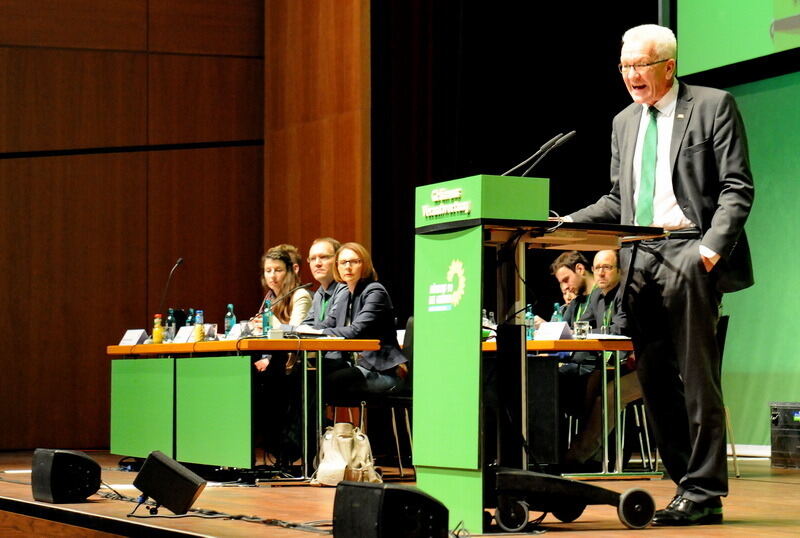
(667,213)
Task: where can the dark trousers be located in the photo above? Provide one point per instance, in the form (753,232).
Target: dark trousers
(673,308)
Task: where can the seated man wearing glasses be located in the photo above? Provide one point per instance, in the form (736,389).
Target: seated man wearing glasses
(604,313)
(320,261)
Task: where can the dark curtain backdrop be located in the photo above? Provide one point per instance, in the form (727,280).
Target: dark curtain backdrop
(461,88)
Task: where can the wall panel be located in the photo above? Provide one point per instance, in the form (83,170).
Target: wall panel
(205,98)
(300,159)
(56,99)
(317,114)
(94,210)
(72,249)
(205,206)
(91,24)
(234,27)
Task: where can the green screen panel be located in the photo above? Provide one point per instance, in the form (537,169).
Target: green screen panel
(761,361)
(141,406)
(461,491)
(447,316)
(213,411)
(713,33)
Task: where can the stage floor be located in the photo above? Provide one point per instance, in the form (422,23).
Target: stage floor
(764,501)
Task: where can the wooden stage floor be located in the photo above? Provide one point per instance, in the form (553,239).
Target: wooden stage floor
(763,502)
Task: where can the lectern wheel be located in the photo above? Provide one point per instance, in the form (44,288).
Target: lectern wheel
(636,508)
(568,514)
(511,514)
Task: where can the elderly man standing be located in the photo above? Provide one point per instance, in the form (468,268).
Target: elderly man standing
(679,161)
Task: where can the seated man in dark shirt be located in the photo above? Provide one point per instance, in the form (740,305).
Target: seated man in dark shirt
(574,274)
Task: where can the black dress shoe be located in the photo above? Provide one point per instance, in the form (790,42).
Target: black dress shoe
(682,511)
(672,504)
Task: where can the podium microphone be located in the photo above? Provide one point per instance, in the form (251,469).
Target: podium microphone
(545,147)
(548,150)
(166,286)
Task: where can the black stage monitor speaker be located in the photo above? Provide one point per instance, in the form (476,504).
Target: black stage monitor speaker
(169,483)
(362,510)
(63,476)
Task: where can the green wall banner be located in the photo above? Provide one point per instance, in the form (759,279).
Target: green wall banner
(760,364)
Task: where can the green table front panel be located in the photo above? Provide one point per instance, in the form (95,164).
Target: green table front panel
(213,411)
(460,490)
(142,406)
(447,318)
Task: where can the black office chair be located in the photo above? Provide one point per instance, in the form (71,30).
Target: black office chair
(722,333)
(400,399)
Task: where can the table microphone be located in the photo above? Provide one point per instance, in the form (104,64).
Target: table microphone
(166,286)
(282,297)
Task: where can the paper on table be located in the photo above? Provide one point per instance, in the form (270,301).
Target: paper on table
(598,336)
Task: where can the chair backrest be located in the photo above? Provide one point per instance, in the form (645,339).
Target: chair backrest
(408,340)
(408,351)
(722,332)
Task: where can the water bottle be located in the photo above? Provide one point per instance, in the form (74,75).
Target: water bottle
(172,326)
(199,332)
(230,319)
(557,312)
(190,318)
(529,322)
(158,330)
(266,318)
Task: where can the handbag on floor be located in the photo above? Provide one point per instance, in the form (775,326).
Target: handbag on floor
(345,454)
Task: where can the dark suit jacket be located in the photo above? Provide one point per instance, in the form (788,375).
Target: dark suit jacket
(710,176)
(371,317)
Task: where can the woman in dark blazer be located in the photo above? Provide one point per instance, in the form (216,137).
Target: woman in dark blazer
(365,311)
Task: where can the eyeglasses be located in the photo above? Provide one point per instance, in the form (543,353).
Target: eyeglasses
(345,263)
(603,267)
(639,68)
(320,258)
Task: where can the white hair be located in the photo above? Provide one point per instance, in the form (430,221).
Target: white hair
(660,36)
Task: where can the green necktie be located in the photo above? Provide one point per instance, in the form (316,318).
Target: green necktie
(647,178)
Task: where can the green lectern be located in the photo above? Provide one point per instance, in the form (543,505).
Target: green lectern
(451,221)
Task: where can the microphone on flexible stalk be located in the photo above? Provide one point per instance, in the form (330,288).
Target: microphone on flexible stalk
(282,297)
(166,286)
(546,146)
(548,150)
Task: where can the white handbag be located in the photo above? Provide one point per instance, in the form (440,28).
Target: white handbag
(344,454)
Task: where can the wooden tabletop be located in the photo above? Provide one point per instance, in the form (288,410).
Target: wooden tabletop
(248,344)
(570,345)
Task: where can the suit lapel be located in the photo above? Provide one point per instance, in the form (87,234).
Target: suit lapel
(683,111)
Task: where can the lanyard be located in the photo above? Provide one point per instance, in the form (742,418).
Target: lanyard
(608,314)
(323,308)
(580,309)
